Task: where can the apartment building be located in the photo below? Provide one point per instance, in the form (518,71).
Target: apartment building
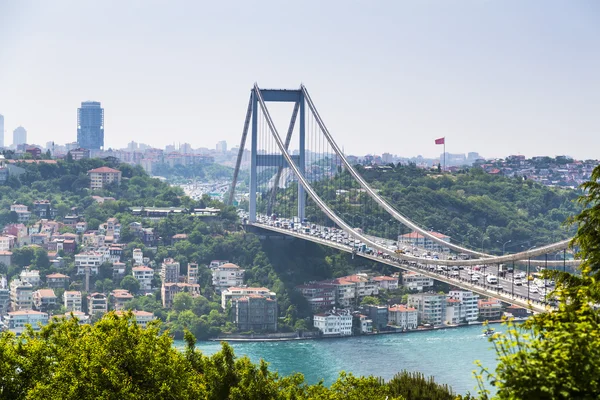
(144,275)
(97,304)
(416,282)
(232,293)
(318,295)
(469,310)
(227,275)
(72,300)
(21,295)
(99,177)
(169,271)
(431,307)
(44,299)
(255,313)
(334,323)
(16,321)
(490,310)
(403,317)
(386,282)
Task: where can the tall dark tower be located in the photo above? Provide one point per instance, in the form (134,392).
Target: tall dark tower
(90,125)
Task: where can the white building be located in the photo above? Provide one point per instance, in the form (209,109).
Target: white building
(169,271)
(72,300)
(334,323)
(144,276)
(216,263)
(21,295)
(431,307)
(418,240)
(227,275)
(138,257)
(386,282)
(192,273)
(415,281)
(403,317)
(6,243)
(236,292)
(16,320)
(22,211)
(97,303)
(142,318)
(366,324)
(31,276)
(468,302)
(91,260)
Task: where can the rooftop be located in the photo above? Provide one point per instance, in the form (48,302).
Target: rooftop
(104,170)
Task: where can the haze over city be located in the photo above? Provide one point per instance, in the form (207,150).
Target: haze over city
(387,77)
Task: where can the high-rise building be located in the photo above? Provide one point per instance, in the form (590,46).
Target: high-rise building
(1,130)
(90,125)
(222,146)
(19,136)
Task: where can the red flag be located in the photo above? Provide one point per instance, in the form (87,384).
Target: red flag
(440,140)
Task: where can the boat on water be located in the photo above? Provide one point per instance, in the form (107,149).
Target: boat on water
(489,332)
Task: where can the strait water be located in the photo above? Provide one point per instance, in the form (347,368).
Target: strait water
(446,354)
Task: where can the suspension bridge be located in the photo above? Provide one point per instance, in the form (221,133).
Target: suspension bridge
(316,189)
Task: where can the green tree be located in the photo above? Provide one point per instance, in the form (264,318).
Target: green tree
(131,284)
(183,301)
(370,300)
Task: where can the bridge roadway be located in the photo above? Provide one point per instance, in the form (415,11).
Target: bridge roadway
(505,291)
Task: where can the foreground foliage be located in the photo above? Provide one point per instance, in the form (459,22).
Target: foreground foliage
(117,359)
(556,355)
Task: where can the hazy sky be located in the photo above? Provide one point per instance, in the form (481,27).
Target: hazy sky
(497,77)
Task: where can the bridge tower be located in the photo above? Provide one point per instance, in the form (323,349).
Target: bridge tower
(295,96)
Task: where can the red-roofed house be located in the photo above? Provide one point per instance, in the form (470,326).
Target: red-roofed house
(386,282)
(103,176)
(402,316)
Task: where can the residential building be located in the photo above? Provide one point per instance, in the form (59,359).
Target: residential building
(386,282)
(90,125)
(169,290)
(416,282)
(97,303)
(79,154)
(227,275)
(142,318)
(232,293)
(431,307)
(57,281)
(82,318)
(517,312)
(169,271)
(91,260)
(418,240)
(4,296)
(319,295)
(19,136)
(44,299)
(16,321)
(99,177)
(378,314)
(22,211)
(453,314)
(31,276)
(138,257)
(6,257)
(255,313)
(6,243)
(118,271)
(119,298)
(144,276)
(468,300)
(192,273)
(43,209)
(21,295)
(489,310)
(334,323)
(403,317)
(366,325)
(216,263)
(72,300)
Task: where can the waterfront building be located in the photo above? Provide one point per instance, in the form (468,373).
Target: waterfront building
(99,177)
(16,321)
(144,276)
(334,323)
(402,317)
(227,275)
(469,310)
(418,240)
(453,314)
(21,295)
(366,324)
(97,304)
(255,313)
(431,307)
(169,271)
(386,282)
(232,293)
(19,136)
(490,310)
(72,300)
(318,295)
(377,314)
(416,281)
(44,299)
(90,125)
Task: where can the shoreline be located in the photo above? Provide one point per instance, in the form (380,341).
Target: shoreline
(292,339)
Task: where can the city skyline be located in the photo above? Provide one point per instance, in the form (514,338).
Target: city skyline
(502,79)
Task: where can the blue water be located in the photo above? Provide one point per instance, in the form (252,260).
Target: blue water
(448,355)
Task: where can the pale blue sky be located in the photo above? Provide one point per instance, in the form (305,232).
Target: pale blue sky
(497,77)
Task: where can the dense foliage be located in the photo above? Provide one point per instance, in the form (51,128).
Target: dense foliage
(556,355)
(117,359)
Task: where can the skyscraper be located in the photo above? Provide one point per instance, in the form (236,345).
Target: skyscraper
(1,130)
(222,146)
(19,136)
(90,125)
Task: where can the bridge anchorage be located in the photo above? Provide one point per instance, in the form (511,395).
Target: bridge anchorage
(313,192)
